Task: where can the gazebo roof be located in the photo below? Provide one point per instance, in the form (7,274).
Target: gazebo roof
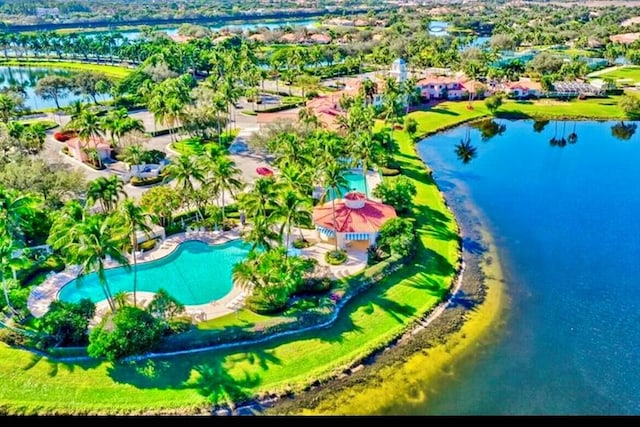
(366,219)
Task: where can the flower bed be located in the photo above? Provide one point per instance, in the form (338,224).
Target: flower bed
(64,136)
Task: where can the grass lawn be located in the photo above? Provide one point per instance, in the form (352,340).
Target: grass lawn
(185,383)
(628,74)
(112,71)
(194,146)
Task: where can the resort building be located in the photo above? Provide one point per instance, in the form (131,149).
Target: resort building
(356,218)
(79,149)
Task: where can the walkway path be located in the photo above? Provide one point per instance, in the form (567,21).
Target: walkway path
(40,298)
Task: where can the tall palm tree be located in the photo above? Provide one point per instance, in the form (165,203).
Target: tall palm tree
(225,176)
(367,151)
(7,262)
(335,181)
(186,169)
(97,238)
(135,218)
(292,209)
(88,127)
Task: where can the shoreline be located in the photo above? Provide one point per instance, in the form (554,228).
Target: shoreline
(423,358)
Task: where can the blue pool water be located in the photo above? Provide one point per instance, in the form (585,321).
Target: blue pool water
(195,273)
(565,222)
(355,181)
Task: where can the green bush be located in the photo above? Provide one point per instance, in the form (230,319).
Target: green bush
(334,257)
(147,245)
(141,182)
(387,171)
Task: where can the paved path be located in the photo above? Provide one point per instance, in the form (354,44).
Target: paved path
(40,298)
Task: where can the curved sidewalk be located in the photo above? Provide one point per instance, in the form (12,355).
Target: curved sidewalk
(40,298)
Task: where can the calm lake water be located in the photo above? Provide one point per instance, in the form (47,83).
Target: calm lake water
(564,219)
(132,35)
(27,77)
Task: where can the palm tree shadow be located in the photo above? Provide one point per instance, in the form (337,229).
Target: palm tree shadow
(56,366)
(428,284)
(399,312)
(473,246)
(461,300)
(214,382)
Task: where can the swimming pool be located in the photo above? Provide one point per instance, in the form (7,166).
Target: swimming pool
(355,181)
(195,273)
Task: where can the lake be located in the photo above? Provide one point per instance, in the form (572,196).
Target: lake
(564,219)
(27,77)
(135,34)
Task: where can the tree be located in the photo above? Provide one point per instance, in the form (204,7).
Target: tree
(135,219)
(186,169)
(89,128)
(334,180)
(67,323)
(225,177)
(106,191)
(8,262)
(493,103)
(93,240)
(629,104)
(398,193)
(130,331)
(91,84)
(53,87)
(292,209)
(411,126)
(162,202)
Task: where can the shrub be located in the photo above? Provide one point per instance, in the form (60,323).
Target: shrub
(334,257)
(147,245)
(386,171)
(301,243)
(64,136)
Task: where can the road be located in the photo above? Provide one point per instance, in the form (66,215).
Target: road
(247,162)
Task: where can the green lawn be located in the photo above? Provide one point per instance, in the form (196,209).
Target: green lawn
(113,71)
(184,383)
(193,146)
(629,74)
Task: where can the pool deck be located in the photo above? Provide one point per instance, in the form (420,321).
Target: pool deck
(40,298)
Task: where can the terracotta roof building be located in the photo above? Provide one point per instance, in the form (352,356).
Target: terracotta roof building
(356,218)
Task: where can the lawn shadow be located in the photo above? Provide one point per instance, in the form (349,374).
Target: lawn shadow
(55,366)
(207,372)
(443,111)
(428,284)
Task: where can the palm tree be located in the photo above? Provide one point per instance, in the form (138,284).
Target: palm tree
(7,261)
(135,219)
(366,150)
(15,209)
(225,177)
(185,169)
(334,180)
(292,208)
(88,127)
(106,192)
(95,239)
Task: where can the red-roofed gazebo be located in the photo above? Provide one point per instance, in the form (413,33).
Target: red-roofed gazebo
(356,218)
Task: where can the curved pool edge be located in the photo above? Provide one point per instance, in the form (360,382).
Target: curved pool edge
(42,295)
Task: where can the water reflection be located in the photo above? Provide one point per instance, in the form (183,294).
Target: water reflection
(623,131)
(25,79)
